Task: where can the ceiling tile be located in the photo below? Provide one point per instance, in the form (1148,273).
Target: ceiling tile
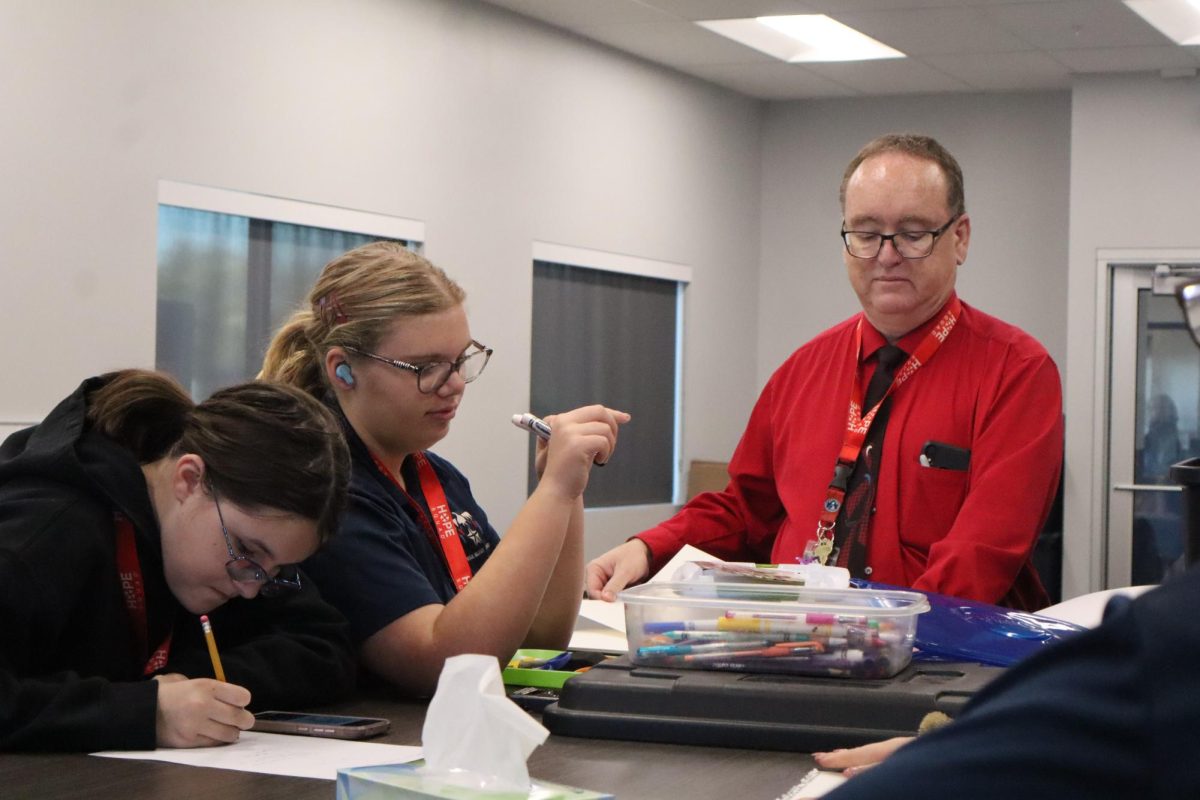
(921,31)
(889,76)
(573,13)
(774,81)
(1127,59)
(954,45)
(1003,72)
(730,9)
(1076,24)
(833,7)
(676,44)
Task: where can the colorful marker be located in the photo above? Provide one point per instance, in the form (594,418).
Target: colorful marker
(707,647)
(816,619)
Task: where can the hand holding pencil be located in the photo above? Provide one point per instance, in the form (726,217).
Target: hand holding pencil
(201,712)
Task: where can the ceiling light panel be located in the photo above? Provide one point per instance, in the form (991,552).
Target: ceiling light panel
(1179,20)
(802,38)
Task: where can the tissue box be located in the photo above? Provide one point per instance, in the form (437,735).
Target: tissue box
(859,633)
(394,781)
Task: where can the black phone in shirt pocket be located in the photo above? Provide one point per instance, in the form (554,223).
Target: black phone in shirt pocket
(939,455)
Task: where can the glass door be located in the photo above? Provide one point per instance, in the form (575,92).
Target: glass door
(1154,421)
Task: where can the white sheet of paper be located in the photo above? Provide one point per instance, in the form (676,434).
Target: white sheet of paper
(814,784)
(280,754)
(591,635)
(601,625)
(606,615)
(1088,609)
(686,553)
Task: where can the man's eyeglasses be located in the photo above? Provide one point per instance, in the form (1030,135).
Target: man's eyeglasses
(245,570)
(433,376)
(909,244)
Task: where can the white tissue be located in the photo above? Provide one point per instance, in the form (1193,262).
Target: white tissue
(474,735)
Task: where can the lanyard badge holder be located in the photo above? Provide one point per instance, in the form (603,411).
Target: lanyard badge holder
(820,549)
(442,533)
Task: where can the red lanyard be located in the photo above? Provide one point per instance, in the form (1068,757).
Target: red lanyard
(446,532)
(133,589)
(857,425)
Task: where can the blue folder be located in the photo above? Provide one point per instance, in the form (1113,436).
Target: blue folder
(955,629)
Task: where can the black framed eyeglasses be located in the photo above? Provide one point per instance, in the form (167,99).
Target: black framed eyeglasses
(246,570)
(909,244)
(433,376)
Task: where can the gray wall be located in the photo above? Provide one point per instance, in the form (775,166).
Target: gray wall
(1135,179)
(493,131)
(496,131)
(1014,150)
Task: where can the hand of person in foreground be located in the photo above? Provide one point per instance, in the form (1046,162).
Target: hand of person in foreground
(853,760)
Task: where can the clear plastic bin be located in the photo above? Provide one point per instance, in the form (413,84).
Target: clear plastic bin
(859,633)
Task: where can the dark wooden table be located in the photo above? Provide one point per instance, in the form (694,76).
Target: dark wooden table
(632,770)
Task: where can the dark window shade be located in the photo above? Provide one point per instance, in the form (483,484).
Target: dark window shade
(610,338)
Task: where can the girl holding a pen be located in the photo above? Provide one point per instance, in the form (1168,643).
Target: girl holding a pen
(418,570)
(125,514)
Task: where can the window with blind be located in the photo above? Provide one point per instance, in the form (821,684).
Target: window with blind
(232,267)
(602,336)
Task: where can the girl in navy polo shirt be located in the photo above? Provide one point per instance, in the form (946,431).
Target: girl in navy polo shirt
(418,569)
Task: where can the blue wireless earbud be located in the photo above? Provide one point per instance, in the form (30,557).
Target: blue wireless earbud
(343,372)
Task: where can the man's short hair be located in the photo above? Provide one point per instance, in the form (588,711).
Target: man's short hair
(919,146)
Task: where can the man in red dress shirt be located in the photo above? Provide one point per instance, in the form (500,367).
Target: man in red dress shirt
(943,485)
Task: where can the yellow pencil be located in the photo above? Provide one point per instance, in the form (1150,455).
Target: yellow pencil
(212,648)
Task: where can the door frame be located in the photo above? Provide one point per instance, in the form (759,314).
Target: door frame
(1091,546)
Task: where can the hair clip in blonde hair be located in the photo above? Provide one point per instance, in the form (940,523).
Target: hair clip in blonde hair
(331,311)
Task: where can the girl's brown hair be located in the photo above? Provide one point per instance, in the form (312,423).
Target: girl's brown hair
(355,300)
(263,445)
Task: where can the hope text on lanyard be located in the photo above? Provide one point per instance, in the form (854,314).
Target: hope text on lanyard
(446,532)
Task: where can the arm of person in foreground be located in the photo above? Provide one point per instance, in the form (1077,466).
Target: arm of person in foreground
(853,760)
(1107,713)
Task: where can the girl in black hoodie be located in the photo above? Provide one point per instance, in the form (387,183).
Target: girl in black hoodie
(128,512)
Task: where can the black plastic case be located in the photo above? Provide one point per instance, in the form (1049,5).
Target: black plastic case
(616,700)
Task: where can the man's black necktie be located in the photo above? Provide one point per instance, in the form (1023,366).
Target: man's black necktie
(854,520)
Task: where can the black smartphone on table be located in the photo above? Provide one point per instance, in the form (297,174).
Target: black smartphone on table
(334,726)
